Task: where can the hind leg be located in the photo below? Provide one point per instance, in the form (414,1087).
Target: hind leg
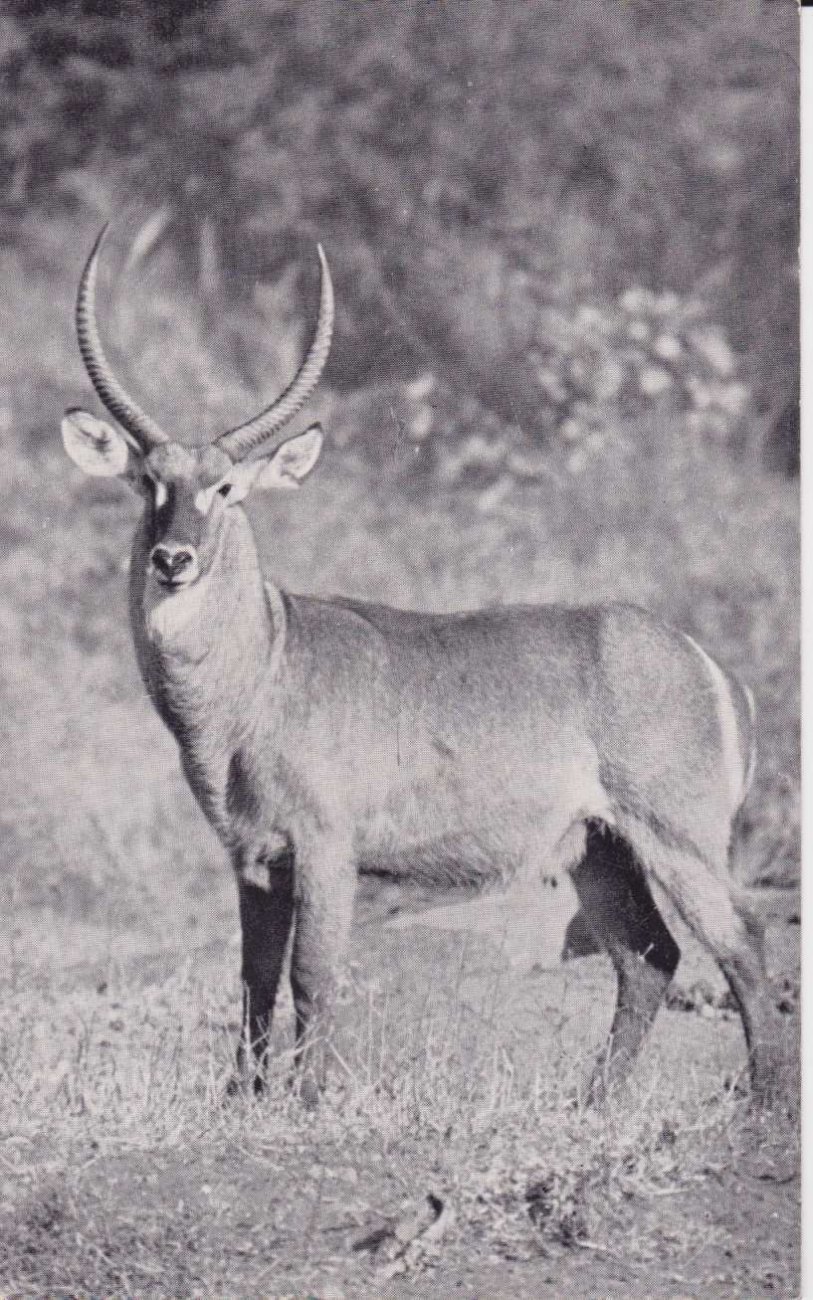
(624,920)
(719,914)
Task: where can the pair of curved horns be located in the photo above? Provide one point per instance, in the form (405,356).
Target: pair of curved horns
(238,442)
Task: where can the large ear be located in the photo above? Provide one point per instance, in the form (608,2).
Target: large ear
(95,446)
(285,468)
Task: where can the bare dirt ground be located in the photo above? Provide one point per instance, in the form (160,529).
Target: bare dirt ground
(230,1224)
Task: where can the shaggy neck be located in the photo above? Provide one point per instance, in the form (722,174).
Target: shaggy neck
(203,650)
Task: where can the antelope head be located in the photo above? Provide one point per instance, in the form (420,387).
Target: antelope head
(189,491)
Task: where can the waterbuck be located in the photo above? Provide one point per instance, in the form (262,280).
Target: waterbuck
(324,737)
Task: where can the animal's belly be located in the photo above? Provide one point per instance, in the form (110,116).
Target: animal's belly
(464,860)
(485,830)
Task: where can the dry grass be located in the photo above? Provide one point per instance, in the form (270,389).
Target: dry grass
(438,1084)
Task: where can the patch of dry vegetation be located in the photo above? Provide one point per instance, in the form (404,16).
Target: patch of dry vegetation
(124,1171)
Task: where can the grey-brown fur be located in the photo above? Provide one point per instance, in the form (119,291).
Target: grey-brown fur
(321,738)
(325,737)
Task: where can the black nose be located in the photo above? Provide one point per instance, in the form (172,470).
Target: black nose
(170,560)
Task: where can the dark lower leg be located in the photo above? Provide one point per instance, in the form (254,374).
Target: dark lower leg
(747,979)
(718,913)
(265,918)
(641,990)
(623,916)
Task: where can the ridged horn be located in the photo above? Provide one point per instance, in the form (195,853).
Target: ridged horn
(237,443)
(110,392)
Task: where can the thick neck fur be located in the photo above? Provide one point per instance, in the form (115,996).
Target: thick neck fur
(205,650)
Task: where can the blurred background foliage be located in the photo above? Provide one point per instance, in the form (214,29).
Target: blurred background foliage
(489,180)
(564,240)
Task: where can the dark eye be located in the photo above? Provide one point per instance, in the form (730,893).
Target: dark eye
(147,483)
(224,490)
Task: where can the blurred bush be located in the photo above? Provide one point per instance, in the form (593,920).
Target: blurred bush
(598,367)
(489,180)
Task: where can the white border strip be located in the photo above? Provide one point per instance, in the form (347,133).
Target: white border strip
(807,578)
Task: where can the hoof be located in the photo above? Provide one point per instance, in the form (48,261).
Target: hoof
(768,1096)
(774,1080)
(309,1094)
(240,1086)
(305,1087)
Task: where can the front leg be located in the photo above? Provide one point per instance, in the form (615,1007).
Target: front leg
(325,890)
(266,911)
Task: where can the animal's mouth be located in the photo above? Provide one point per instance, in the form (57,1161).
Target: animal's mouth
(172,584)
(176,582)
